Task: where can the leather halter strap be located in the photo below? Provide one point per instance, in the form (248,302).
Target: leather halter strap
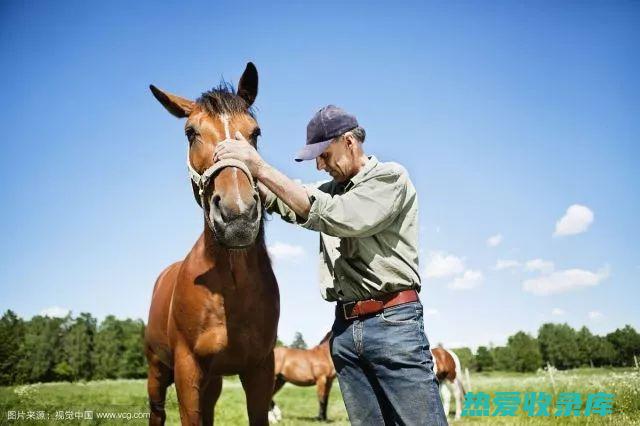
(201,180)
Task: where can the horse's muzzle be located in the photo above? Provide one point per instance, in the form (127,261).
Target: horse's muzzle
(237,225)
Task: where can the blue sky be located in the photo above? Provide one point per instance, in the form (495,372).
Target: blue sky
(504,113)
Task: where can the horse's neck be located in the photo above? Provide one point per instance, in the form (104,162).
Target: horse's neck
(322,347)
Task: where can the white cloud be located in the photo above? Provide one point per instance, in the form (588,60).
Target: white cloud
(431,312)
(541,265)
(595,315)
(502,264)
(494,240)
(564,281)
(468,280)
(576,220)
(54,312)
(558,312)
(281,250)
(441,264)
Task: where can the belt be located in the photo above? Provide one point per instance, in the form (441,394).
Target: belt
(360,308)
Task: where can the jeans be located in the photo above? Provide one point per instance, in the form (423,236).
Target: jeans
(385,368)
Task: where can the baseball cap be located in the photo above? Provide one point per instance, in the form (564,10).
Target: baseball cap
(325,125)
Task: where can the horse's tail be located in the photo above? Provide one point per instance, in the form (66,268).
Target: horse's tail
(458,370)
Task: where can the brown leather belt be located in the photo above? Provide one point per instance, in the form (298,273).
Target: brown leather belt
(352,310)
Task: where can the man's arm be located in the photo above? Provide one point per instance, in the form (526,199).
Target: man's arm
(291,193)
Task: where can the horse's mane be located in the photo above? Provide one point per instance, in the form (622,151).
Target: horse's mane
(325,338)
(223,99)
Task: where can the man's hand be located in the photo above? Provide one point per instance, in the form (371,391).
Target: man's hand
(241,150)
(291,193)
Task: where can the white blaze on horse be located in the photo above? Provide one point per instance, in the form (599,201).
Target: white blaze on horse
(448,371)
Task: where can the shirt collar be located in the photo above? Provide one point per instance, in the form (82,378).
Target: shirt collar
(368,166)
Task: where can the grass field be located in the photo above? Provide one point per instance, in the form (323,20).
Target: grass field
(299,404)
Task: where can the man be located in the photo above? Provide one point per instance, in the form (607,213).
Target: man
(367,217)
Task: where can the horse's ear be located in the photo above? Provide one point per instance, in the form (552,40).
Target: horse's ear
(248,86)
(180,107)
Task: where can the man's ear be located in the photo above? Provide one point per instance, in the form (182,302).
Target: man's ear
(176,105)
(349,139)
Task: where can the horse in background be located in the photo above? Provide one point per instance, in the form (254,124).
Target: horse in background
(304,367)
(448,371)
(216,312)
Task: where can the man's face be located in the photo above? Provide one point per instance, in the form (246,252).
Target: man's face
(338,159)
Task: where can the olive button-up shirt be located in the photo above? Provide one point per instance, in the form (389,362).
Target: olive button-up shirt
(368,232)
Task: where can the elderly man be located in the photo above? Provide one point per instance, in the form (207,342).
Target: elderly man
(367,217)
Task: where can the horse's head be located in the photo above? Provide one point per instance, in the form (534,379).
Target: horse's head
(225,190)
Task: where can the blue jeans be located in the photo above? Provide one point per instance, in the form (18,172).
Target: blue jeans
(385,368)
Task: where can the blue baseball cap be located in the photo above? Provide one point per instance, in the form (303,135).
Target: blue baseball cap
(325,125)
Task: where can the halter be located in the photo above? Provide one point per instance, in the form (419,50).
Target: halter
(202,180)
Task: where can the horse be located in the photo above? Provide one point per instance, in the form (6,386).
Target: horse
(303,367)
(446,367)
(216,312)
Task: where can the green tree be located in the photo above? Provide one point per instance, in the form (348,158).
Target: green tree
(40,350)
(11,336)
(503,358)
(626,342)
(524,351)
(484,359)
(77,346)
(587,346)
(559,345)
(133,363)
(604,352)
(298,341)
(108,348)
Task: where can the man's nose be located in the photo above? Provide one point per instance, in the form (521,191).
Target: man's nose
(319,163)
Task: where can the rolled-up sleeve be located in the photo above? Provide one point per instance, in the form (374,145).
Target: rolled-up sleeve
(273,204)
(368,207)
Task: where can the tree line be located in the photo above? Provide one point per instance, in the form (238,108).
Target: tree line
(559,345)
(45,349)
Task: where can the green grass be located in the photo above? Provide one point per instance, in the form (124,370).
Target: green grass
(299,405)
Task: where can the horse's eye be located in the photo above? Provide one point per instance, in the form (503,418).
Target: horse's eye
(191,134)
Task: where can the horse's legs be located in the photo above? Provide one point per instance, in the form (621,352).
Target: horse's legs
(275,415)
(188,378)
(323,387)
(279,383)
(208,397)
(445,392)
(159,378)
(457,394)
(258,387)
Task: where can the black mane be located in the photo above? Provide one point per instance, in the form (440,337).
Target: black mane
(224,100)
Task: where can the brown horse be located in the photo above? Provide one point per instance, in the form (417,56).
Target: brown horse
(305,368)
(216,312)
(446,367)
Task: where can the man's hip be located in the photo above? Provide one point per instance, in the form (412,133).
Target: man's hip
(363,308)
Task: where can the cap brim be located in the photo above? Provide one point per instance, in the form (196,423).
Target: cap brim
(310,152)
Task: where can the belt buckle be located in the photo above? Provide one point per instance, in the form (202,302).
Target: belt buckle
(344,311)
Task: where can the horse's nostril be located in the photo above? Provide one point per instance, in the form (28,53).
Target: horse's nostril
(256,197)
